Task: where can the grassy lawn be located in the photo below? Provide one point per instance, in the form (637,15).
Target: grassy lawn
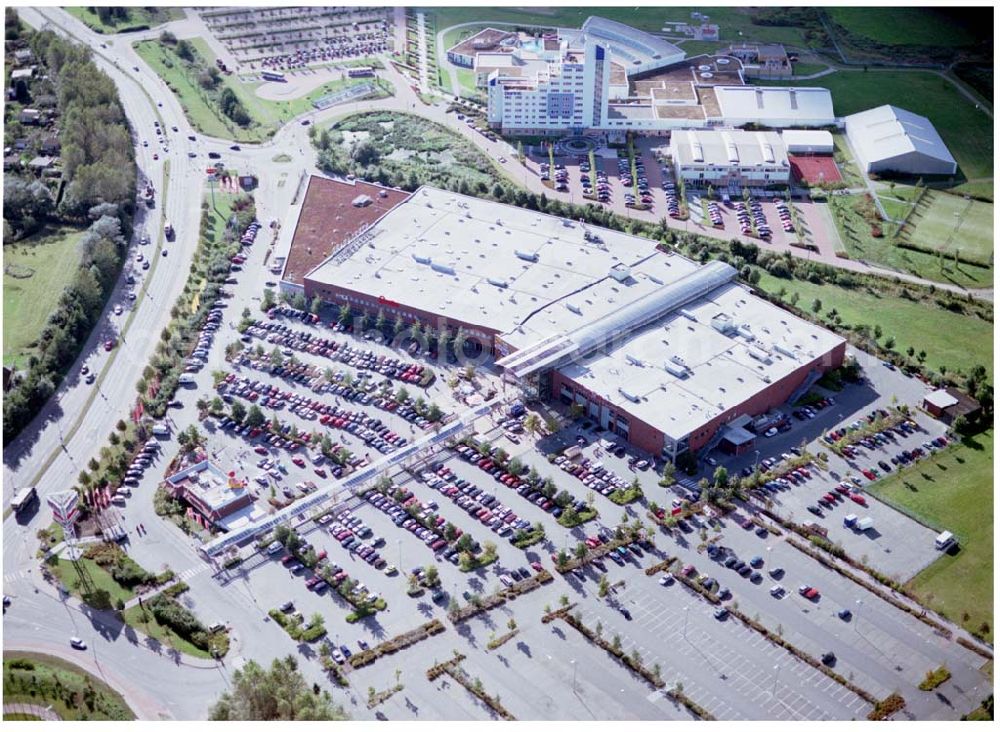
(137,17)
(144,622)
(697,48)
(36,270)
(467,80)
(849,169)
(101,579)
(903,26)
(18,683)
(267,115)
(933,226)
(855,234)
(732,21)
(966,131)
(955,340)
(894,208)
(953,490)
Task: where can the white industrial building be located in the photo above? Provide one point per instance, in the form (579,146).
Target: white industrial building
(729,157)
(608,77)
(773,106)
(890,139)
(807,142)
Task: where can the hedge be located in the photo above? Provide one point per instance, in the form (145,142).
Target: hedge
(398,643)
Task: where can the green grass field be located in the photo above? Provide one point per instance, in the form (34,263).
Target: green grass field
(36,270)
(19,683)
(900,26)
(855,234)
(957,341)
(101,579)
(732,21)
(145,623)
(953,490)
(894,208)
(933,226)
(267,115)
(845,161)
(138,16)
(966,131)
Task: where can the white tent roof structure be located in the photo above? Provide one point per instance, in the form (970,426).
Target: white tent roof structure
(776,106)
(888,132)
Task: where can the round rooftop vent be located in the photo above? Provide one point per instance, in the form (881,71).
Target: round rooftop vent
(657,56)
(704,67)
(722,61)
(706,74)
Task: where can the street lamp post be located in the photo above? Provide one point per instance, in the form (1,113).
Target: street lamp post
(686,612)
(573,664)
(399,545)
(857,616)
(774,689)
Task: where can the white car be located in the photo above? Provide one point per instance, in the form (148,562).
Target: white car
(771,432)
(78,643)
(118,309)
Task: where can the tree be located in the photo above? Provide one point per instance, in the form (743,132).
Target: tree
(669,471)
(580,551)
(564,600)
(255,417)
(817,305)
(721,476)
(532,423)
(512,624)
(279,693)
(237,411)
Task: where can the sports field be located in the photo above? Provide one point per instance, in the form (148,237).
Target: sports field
(856,236)
(952,339)
(953,490)
(36,271)
(900,26)
(944,222)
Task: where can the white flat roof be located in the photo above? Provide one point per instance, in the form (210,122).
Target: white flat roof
(522,273)
(941,399)
(776,105)
(807,139)
(886,132)
(729,147)
(721,373)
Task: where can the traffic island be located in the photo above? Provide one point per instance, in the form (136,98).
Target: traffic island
(460,614)
(405,640)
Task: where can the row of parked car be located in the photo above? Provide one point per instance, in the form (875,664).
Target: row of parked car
(751,210)
(531,489)
(482,506)
(143,459)
(785,214)
(361,359)
(593,474)
(355,44)
(396,504)
(714,214)
(641,182)
(673,201)
(199,354)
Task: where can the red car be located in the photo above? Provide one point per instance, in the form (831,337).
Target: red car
(109,344)
(868,474)
(810,593)
(858,498)
(320,472)
(261,450)
(537,566)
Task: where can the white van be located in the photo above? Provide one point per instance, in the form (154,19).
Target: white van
(186,380)
(944,540)
(160,430)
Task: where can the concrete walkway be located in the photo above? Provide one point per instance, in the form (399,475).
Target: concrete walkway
(34,710)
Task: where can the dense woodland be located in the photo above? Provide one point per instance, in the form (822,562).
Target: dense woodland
(97,187)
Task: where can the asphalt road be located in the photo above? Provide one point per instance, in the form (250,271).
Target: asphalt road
(885,638)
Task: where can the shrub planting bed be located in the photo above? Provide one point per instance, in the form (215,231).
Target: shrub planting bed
(499,598)
(887,707)
(405,640)
(935,678)
(663,566)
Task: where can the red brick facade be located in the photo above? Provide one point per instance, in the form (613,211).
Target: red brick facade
(651,440)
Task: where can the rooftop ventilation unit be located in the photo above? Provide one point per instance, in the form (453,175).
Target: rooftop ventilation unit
(680,372)
(443,268)
(526,256)
(362,201)
(633,360)
(697,154)
(496,283)
(784,350)
(656,280)
(688,314)
(421,258)
(620,272)
(628,395)
(574,308)
(759,354)
(745,331)
(724,324)
(678,360)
